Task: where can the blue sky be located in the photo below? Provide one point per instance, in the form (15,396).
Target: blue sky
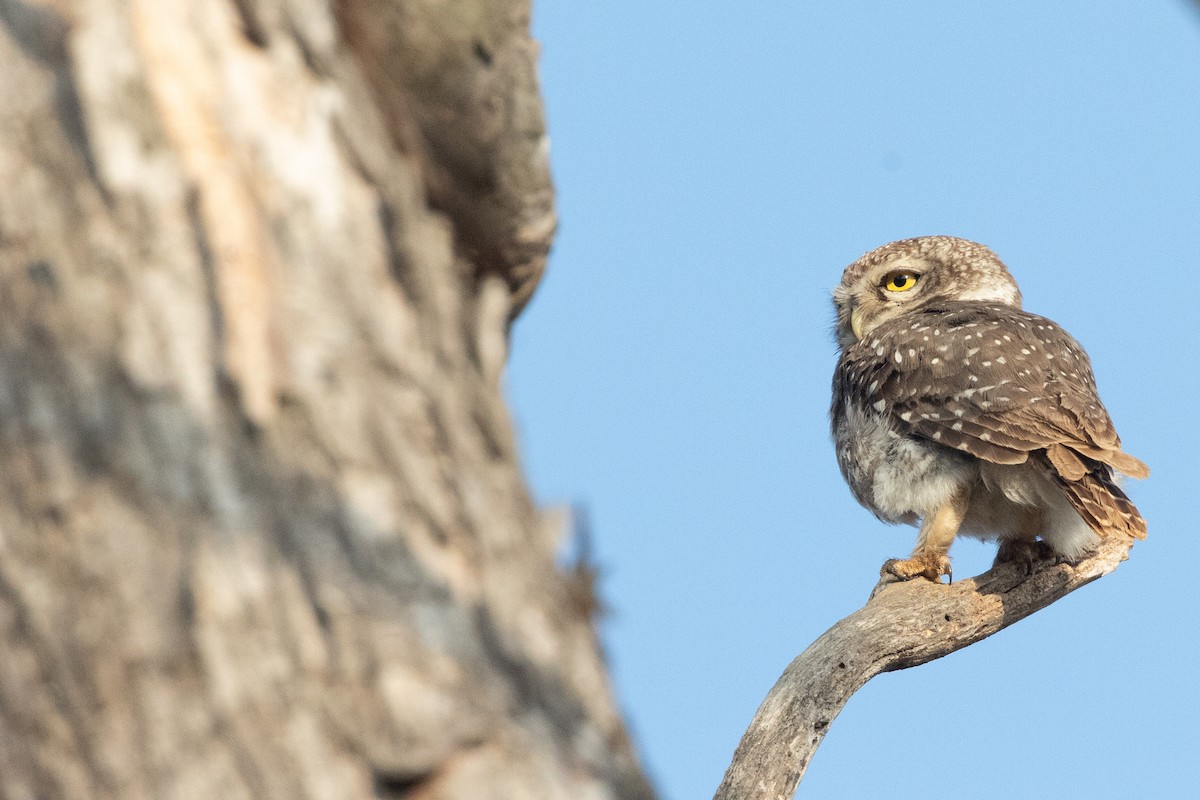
(717,166)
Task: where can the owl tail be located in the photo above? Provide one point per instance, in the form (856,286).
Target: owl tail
(1102,504)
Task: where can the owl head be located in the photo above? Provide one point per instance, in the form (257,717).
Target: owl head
(907,275)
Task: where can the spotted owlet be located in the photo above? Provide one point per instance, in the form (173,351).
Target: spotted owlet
(954,408)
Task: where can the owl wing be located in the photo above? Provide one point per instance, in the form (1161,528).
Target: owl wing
(1003,385)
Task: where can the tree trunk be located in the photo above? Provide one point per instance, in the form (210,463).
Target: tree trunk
(263,533)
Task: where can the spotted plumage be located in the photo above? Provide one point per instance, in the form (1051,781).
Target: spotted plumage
(955,408)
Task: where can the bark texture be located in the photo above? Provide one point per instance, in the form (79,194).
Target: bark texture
(263,532)
(902,625)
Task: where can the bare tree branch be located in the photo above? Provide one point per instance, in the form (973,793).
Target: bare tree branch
(902,625)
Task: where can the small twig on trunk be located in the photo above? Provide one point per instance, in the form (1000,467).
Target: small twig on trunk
(902,625)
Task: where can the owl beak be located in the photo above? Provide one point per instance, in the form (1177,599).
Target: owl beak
(856,322)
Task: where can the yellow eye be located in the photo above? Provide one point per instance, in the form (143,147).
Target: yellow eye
(900,281)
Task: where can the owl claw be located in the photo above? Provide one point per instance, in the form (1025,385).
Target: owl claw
(931,566)
(1025,552)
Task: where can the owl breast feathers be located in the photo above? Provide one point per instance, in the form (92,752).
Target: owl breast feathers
(954,407)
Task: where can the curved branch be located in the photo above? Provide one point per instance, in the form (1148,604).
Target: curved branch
(902,625)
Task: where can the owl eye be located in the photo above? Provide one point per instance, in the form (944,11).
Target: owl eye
(900,281)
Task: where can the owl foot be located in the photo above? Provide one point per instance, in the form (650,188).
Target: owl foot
(1024,552)
(924,565)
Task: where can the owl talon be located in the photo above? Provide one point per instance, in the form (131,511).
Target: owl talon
(1025,552)
(929,566)
(1059,558)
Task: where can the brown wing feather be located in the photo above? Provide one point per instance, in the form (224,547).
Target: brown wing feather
(1066,463)
(1117,459)
(991,380)
(1004,386)
(976,439)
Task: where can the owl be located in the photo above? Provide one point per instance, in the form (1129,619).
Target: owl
(955,410)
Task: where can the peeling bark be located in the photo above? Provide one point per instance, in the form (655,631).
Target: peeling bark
(263,531)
